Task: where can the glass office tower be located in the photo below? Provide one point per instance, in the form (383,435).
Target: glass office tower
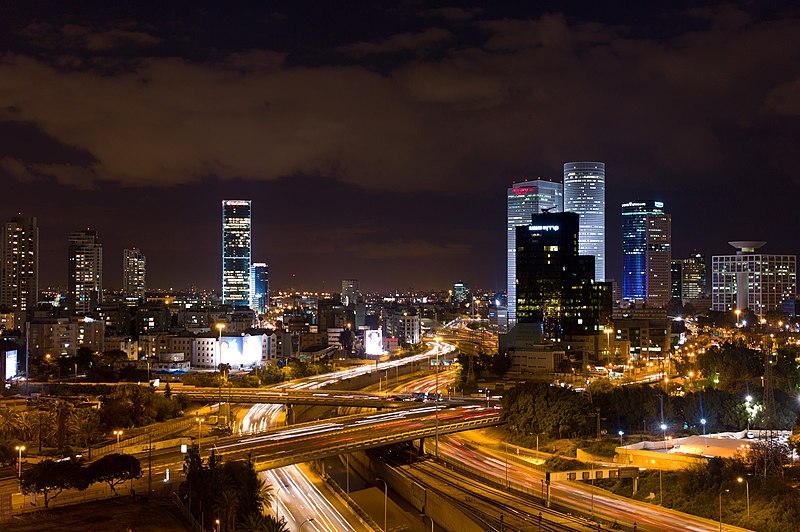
(524,200)
(236,252)
(647,254)
(259,287)
(585,194)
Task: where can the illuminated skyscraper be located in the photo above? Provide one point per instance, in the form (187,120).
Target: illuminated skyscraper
(236,252)
(133,273)
(85,272)
(585,194)
(524,200)
(350,292)
(647,254)
(19,264)
(460,292)
(259,286)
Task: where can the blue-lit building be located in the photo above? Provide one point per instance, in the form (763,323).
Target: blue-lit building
(236,252)
(259,283)
(524,200)
(585,194)
(647,257)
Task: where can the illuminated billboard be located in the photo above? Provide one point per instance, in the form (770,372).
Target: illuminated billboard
(373,342)
(11,365)
(240,351)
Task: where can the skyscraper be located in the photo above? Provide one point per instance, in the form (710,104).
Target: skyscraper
(647,254)
(133,273)
(524,200)
(350,292)
(585,194)
(259,283)
(19,264)
(460,292)
(85,272)
(236,252)
(693,282)
(555,285)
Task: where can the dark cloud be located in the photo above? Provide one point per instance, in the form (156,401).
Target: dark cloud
(454,112)
(401,42)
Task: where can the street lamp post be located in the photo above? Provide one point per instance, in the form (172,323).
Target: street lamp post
(703,422)
(436,446)
(385,500)
(118,433)
(429,517)
(199,423)
(278,500)
(720,510)
(747,401)
(220,326)
(664,430)
(747,491)
(19,449)
(309,520)
(621,434)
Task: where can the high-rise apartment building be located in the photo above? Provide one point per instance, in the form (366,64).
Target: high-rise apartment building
(236,252)
(750,280)
(677,279)
(19,264)
(585,194)
(647,254)
(555,285)
(350,292)
(524,200)
(259,287)
(693,279)
(85,272)
(133,273)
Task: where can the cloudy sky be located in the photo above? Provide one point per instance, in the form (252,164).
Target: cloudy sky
(376,139)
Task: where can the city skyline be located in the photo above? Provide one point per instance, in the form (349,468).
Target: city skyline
(507,93)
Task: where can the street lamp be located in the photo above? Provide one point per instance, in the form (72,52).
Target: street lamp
(621,434)
(118,433)
(199,422)
(738,313)
(19,448)
(747,491)
(703,422)
(278,500)
(220,326)
(608,331)
(748,400)
(436,453)
(660,484)
(385,500)
(309,520)
(664,430)
(720,509)
(429,517)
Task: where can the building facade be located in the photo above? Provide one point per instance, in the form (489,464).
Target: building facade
(236,251)
(85,272)
(524,200)
(460,292)
(555,285)
(647,254)
(750,280)
(259,287)
(19,264)
(350,292)
(133,273)
(585,194)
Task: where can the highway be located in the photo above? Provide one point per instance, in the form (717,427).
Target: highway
(487,457)
(332,437)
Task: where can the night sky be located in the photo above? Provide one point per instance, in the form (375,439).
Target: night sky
(377,140)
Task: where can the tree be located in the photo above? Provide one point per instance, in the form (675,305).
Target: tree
(51,478)
(114,469)
(85,427)
(10,424)
(40,425)
(168,391)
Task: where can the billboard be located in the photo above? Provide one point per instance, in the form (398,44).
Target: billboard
(373,342)
(11,365)
(240,351)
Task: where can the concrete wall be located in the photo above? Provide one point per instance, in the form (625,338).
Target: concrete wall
(655,460)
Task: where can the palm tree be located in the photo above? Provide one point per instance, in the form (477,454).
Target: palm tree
(225,505)
(85,427)
(39,425)
(10,424)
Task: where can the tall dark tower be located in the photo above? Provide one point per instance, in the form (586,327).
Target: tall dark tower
(555,285)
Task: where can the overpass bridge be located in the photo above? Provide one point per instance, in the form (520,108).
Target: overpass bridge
(294,397)
(333,437)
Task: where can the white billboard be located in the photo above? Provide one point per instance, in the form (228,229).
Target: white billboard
(373,342)
(11,364)
(240,351)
